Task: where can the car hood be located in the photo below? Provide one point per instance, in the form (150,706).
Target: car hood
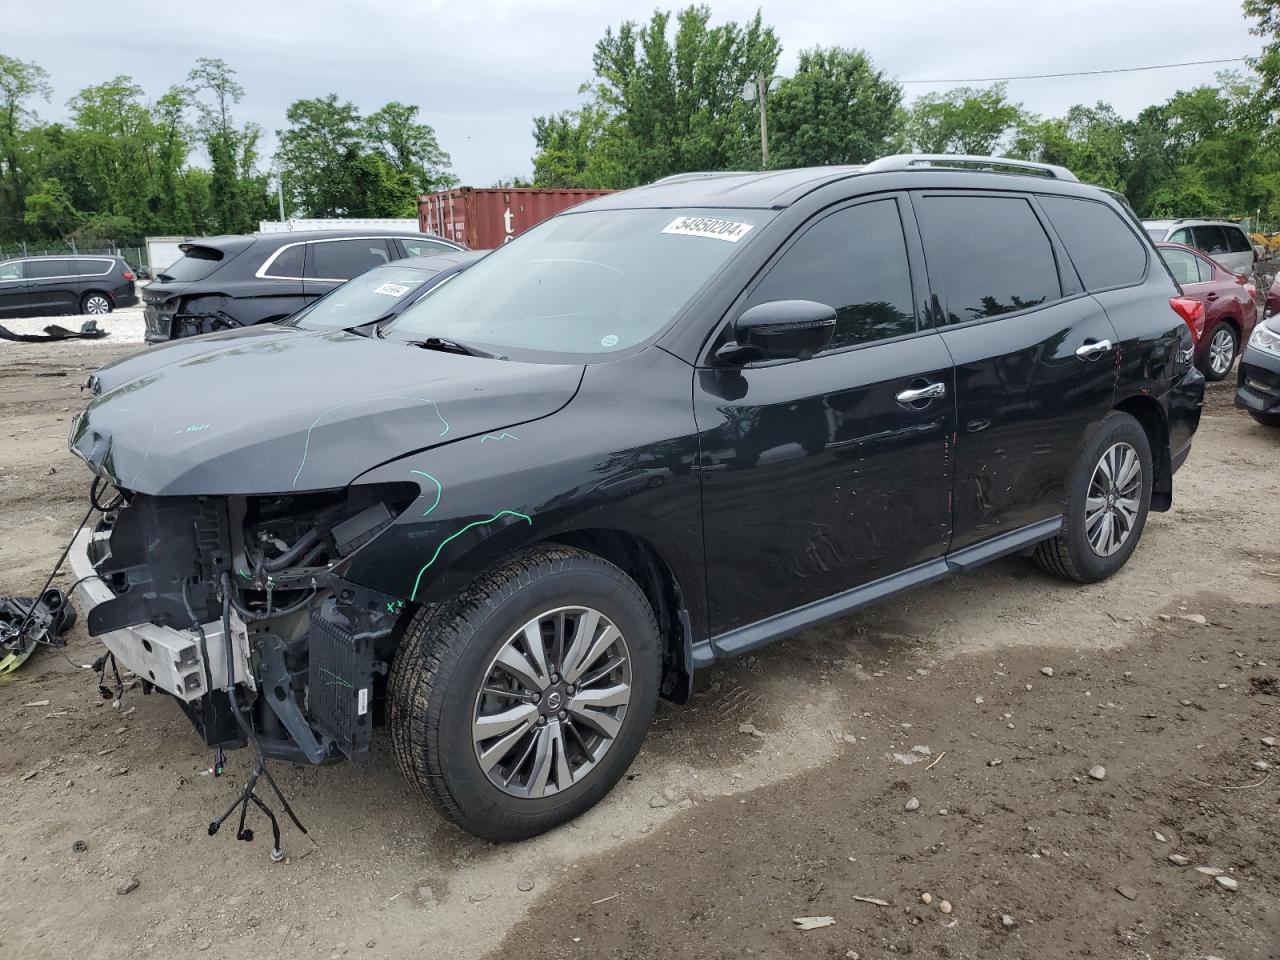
(273,409)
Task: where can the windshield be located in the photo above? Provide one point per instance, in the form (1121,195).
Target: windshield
(583,282)
(370,296)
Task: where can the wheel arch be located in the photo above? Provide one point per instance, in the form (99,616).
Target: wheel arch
(94,291)
(644,563)
(1151,417)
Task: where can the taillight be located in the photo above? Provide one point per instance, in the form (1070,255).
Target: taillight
(1192,311)
(128,275)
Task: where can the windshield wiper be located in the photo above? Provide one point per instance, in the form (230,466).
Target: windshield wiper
(453,346)
(164,278)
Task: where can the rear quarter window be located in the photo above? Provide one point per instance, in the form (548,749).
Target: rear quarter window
(1106,253)
(1237,242)
(196,263)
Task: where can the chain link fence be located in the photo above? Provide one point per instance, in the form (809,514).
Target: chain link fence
(134,255)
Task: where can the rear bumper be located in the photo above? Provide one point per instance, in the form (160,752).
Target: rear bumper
(168,658)
(1259,385)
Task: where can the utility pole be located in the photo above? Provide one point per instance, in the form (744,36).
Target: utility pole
(280,193)
(762,88)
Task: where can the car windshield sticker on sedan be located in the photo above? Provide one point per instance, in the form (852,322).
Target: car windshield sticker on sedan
(392,290)
(730,230)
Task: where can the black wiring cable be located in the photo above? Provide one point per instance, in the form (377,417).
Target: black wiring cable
(247,725)
(26,621)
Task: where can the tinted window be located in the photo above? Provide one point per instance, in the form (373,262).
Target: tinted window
(1184,265)
(856,261)
(39,269)
(986,255)
(1209,239)
(1237,242)
(1105,251)
(288,263)
(196,263)
(12,271)
(344,259)
(90,268)
(423,248)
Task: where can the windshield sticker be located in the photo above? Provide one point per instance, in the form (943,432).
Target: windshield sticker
(730,230)
(392,290)
(610,340)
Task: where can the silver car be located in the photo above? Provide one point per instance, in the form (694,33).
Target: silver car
(1223,240)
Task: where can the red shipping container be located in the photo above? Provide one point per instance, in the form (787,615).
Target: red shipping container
(484,218)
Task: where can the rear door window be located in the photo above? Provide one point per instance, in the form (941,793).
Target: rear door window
(344,259)
(856,261)
(987,256)
(48,269)
(1106,253)
(1182,236)
(1185,266)
(1211,239)
(287,264)
(1237,242)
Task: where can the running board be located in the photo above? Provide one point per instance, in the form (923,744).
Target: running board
(762,632)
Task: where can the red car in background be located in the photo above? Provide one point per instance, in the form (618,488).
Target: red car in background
(1230,306)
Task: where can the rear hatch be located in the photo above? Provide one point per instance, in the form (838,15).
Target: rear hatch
(200,260)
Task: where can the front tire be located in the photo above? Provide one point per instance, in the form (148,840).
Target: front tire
(95,304)
(518,704)
(1108,496)
(1221,352)
(1266,419)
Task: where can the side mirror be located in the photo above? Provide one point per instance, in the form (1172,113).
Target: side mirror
(783,329)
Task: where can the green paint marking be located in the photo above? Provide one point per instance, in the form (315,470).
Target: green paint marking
(439,489)
(395,606)
(337,681)
(504,436)
(447,540)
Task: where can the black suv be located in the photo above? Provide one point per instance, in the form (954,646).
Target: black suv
(94,284)
(221,283)
(667,426)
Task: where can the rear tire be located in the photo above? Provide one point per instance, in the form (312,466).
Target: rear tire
(96,304)
(454,703)
(1266,419)
(1220,354)
(1106,506)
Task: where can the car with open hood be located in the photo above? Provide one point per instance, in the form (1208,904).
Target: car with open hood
(663,428)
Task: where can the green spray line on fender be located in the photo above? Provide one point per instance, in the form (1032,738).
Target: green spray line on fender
(439,489)
(447,540)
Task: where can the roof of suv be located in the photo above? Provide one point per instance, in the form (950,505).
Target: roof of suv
(780,188)
(1189,222)
(238,241)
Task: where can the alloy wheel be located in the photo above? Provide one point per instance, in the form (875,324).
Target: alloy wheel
(97,305)
(552,702)
(1222,351)
(1111,506)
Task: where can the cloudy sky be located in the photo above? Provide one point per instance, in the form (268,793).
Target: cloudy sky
(480,70)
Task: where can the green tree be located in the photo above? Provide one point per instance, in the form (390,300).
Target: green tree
(1092,142)
(1267,64)
(662,101)
(409,146)
(230,148)
(837,108)
(21,82)
(964,120)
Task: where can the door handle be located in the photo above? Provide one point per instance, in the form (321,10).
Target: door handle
(1211,296)
(1090,350)
(930,392)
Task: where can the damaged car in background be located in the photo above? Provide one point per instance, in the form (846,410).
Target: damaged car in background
(668,426)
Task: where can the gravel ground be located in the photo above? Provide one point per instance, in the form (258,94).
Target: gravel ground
(779,793)
(123,326)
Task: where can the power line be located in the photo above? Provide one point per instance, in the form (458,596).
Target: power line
(1083,73)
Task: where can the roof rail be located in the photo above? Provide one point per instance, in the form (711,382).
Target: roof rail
(698,175)
(909,161)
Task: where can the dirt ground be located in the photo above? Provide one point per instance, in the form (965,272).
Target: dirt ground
(781,792)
